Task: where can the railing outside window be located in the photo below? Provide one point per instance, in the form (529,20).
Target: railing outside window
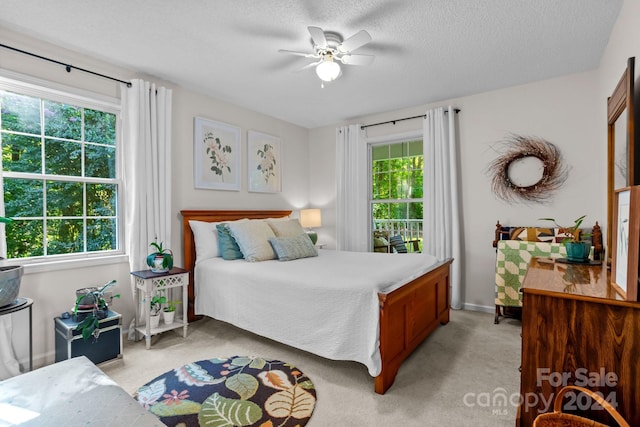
(409,229)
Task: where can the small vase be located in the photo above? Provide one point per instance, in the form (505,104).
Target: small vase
(157,265)
(578,251)
(168,317)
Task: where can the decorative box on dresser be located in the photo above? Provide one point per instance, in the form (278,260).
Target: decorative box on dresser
(576,330)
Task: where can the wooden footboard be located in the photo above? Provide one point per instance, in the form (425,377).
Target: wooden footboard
(407,316)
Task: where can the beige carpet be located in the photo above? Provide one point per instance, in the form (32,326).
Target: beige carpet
(451,379)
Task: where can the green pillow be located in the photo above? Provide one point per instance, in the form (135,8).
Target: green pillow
(380,244)
(290,248)
(227,246)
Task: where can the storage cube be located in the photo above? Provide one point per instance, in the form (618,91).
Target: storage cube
(108,346)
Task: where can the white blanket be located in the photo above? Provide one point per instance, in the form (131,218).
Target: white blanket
(327,305)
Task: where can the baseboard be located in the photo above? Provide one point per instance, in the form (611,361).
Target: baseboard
(476,307)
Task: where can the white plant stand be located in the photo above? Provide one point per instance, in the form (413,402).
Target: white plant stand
(147,283)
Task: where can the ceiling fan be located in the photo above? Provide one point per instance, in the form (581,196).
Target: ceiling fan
(329,49)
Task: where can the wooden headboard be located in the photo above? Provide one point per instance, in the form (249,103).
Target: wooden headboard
(189,245)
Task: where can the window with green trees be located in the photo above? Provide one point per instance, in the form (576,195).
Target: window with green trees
(396,194)
(60,178)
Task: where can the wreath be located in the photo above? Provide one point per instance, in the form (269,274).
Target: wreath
(518,147)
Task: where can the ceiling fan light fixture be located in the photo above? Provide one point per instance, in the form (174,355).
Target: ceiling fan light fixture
(328,70)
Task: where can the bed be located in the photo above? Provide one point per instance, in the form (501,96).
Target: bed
(405,311)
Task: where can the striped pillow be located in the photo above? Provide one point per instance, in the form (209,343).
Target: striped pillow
(290,248)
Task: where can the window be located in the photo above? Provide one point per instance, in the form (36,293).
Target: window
(60,173)
(396,196)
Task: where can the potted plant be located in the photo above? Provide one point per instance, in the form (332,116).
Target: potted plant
(577,250)
(169,312)
(94,300)
(161,260)
(10,278)
(155,305)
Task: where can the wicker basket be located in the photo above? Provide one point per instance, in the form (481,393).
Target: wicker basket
(559,419)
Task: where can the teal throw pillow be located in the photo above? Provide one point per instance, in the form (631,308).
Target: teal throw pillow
(227,246)
(290,248)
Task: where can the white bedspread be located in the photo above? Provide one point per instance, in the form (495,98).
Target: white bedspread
(327,305)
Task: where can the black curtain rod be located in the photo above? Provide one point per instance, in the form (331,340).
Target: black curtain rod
(457,110)
(68,67)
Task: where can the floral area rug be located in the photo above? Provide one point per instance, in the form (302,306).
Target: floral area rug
(239,391)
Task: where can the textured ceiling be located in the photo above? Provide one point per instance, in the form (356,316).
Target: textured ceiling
(426,50)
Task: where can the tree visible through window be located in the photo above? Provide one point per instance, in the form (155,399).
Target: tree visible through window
(60,178)
(396,196)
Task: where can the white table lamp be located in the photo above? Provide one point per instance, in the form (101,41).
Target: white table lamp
(309,219)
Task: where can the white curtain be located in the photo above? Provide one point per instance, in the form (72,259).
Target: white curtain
(146,114)
(9,366)
(441,194)
(352,225)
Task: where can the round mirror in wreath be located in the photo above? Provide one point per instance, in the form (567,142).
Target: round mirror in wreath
(530,169)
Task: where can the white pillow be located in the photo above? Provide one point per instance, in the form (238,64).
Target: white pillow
(288,228)
(253,239)
(205,236)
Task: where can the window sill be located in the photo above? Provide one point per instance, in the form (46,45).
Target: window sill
(31,267)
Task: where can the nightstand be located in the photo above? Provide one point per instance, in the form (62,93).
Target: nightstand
(148,284)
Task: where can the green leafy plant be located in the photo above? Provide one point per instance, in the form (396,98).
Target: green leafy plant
(166,254)
(90,325)
(171,305)
(155,304)
(572,234)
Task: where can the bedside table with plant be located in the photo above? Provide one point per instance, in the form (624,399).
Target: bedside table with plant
(154,293)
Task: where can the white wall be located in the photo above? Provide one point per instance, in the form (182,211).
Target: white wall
(53,291)
(624,43)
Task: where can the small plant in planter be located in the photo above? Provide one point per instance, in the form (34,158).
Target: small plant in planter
(169,312)
(155,306)
(89,326)
(577,250)
(161,260)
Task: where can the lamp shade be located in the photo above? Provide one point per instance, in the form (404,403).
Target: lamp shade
(328,70)
(310,218)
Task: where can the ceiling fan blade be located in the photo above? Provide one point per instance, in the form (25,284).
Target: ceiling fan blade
(317,34)
(355,41)
(313,64)
(357,59)
(292,52)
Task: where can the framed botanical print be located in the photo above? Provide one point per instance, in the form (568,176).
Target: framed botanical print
(217,151)
(626,242)
(264,162)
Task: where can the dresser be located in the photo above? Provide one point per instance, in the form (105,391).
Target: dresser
(577,330)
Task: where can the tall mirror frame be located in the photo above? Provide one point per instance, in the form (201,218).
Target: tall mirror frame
(623,167)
